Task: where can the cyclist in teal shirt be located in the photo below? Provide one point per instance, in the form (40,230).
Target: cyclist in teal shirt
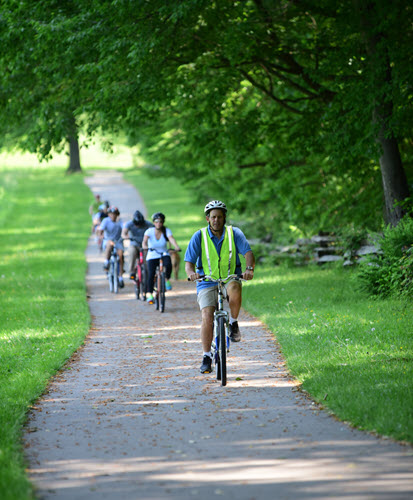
(215,250)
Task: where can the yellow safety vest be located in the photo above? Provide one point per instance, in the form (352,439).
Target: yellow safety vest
(224,264)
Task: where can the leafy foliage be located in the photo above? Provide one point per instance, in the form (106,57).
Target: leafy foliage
(275,100)
(392,272)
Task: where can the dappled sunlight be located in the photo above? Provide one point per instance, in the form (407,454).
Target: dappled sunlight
(157,402)
(181,474)
(178,327)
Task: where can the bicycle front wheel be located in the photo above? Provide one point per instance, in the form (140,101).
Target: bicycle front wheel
(222,350)
(110,279)
(157,288)
(162,293)
(115,277)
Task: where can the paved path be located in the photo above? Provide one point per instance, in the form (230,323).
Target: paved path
(132,418)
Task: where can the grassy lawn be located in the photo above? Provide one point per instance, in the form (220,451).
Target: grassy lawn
(351,353)
(44,315)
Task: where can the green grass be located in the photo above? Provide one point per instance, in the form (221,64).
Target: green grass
(351,353)
(44,315)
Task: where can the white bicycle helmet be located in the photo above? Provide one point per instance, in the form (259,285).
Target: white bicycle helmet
(215,204)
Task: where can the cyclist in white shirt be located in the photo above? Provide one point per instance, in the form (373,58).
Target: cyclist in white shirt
(157,238)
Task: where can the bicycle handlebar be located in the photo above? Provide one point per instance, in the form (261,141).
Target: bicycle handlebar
(205,277)
(163,253)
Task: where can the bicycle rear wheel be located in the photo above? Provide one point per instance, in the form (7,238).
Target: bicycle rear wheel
(222,352)
(143,281)
(162,293)
(138,282)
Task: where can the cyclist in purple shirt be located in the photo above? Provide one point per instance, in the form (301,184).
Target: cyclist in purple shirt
(215,250)
(135,230)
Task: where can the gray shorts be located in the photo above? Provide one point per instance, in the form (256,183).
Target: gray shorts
(209,296)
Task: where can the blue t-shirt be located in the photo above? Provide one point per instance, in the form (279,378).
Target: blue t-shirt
(136,233)
(111,230)
(160,245)
(194,251)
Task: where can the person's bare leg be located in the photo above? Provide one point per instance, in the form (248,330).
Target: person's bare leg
(207,327)
(234,291)
(108,251)
(120,253)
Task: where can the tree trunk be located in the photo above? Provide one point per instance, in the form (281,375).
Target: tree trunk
(395,186)
(74,156)
(74,152)
(394,179)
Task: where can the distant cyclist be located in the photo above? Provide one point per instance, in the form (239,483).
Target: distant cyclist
(111,228)
(101,214)
(135,230)
(94,206)
(214,250)
(157,238)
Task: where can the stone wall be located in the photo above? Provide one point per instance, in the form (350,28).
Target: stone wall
(320,249)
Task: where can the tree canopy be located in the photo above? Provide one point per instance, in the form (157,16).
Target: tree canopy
(297,113)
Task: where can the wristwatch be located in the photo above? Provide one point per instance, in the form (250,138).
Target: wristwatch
(249,268)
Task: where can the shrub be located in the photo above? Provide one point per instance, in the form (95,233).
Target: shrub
(392,272)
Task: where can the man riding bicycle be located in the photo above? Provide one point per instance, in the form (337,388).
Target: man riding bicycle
(214,250)
(111,228)
(135,229)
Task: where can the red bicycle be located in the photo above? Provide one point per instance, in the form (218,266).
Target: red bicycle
(140,276)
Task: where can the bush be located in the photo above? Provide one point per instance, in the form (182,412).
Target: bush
(392,272)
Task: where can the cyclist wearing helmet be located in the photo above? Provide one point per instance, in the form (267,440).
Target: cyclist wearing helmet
(157,238)
(214,250)
(100,215)
(135,229)
(111,228)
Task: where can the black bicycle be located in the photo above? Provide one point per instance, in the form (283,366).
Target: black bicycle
(221,343)
(159,286)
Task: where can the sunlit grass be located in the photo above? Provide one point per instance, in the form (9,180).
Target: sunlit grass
(44,315)
(93,156)
(352,354)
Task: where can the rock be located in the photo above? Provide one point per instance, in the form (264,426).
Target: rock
(329,258)
(301,242)
(368,250)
